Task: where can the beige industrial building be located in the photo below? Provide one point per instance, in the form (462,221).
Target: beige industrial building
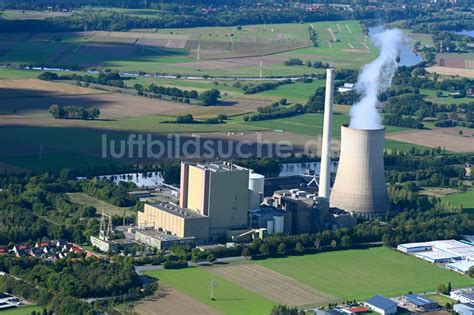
(175,220)
(214,201)
(219,191)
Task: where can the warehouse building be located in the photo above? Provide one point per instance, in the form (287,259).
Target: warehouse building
(438,256)
(421,303)
(463,295)
(461,266)
(464,309)
(381,305)
(414,247)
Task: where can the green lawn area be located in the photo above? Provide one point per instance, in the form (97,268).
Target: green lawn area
(24,310)
(360,274)
(100,205)
(466,199)
(310,124)
(445,99)
(296,92)
(441,299)
(230,298)
(156,124)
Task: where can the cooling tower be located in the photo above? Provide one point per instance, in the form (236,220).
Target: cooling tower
(360,180)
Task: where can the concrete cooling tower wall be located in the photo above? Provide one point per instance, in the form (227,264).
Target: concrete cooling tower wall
(360,180)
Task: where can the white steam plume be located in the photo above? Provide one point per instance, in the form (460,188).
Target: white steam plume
(375,78)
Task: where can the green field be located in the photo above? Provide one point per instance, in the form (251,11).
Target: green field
(310,124)
(349,274)
(230,298)
(24,310)
(466,199)
(101,206)
(296,92)
(445,99)
(360,274)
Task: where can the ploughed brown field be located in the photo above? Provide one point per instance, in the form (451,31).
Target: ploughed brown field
(170,302)
(447,138)
(469,73)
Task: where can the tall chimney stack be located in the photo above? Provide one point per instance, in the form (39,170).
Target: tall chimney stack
(325,171)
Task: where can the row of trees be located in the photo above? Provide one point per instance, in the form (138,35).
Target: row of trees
(73,112)
(275,111)
(257,88)
(103,78)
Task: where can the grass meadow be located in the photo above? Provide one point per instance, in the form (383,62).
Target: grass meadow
(466,199)
(360,274)
(230,298)
(24,310)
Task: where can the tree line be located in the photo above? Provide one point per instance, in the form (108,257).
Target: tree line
(73,112)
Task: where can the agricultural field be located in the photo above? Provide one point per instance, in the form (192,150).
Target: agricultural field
(466,199)
(230,298)
(445,98)
(468,73)
(359,274)
(448,138)
(307,280)
(223,51)
(23,310)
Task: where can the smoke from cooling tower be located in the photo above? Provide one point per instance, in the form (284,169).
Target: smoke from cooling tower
(376,77)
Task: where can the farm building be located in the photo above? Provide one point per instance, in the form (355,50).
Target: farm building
(421,303)
(381,305)
(464,309)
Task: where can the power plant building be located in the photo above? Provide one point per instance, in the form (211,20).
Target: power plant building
(219,191)
(177,221)
(360,186)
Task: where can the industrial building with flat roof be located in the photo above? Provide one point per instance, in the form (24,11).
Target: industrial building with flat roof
(421,303)
(381,305)
(464,309)
(160,239)
(219,191)
(461,266)
(463,295)
(175,220)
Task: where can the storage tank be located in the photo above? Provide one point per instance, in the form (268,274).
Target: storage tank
(278,224)
(256,187)
(360,186)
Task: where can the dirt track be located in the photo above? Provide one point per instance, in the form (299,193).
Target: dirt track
(273,285)
(172,302)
